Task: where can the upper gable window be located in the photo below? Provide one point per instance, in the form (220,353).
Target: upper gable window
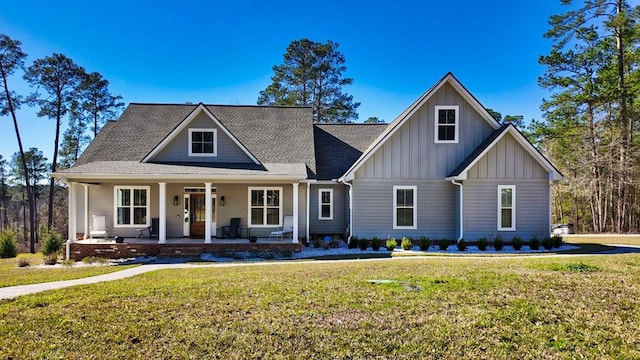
(203,142)
(446,124)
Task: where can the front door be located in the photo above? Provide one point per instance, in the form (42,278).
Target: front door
(196,214)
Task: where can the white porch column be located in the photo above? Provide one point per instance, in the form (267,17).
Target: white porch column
(295,213)
(162,211)
(73,219)
(86,210)
(207,210)
(308,209)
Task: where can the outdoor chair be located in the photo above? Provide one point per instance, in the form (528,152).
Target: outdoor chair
(286,229)
(232,230)
(98,227)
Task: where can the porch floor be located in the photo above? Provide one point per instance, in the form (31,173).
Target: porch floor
(186,240)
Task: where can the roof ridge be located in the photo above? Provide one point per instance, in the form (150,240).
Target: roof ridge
(220,105)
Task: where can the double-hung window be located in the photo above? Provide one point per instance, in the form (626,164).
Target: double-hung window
(203,142)
(325,204)
(131,205)
(506,207)
(404,207)
(446,123)
(265,206)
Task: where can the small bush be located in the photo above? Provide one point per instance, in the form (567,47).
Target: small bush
(68,263)
(462,245)
(23,262)
(406,243)
(498,243)
(443,244)
(353,242)
(95,259)
(423,243)
(557,241)
(482,244)
(8,244)
(51,259)
(534,243)
(547,243)
(516,242)
(375,243)
(363,243)
(51,242)
(391,244)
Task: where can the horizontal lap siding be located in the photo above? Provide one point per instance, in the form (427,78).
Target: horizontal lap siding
(481,208)
(436,209)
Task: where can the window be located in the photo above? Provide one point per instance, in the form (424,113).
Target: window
(203,142)
(404,207)
(506,208)
(265,206)
(446,122)
(325,204)
(131,206)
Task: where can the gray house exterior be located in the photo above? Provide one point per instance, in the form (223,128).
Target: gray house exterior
(443,169)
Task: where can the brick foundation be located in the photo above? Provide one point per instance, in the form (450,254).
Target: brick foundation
(118,251)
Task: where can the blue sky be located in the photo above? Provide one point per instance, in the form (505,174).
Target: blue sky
(222,52)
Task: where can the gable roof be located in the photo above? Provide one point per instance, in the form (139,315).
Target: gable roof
(338,146)
(271,134)
(407,113)
(460,172)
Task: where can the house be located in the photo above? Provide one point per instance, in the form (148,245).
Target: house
(444,168)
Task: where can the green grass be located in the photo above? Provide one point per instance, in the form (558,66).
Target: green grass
(12,275)
(434,308)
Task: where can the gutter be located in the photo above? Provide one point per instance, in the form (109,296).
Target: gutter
(350,208)
(461,203)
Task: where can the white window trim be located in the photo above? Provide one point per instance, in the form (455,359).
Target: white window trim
(264,216)
(330,191)
(115,206)
(215,141)
(456,125)
(395,207)
(513,208)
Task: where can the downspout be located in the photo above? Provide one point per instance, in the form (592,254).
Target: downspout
(350,209)
(460,204)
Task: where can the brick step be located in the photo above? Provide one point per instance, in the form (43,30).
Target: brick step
(180,252)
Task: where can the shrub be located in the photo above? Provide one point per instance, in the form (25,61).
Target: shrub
(443,244)
(557,241)
(23,262)
(363,243)
(462,245)
(516,242)
(51,242)
(51,259)
(375,243)
(391,244)
(498,243)
(94,259)
(547,243)
(8,244)
(353,242)
(68,263)
(406,243)
(534,243)
(482,244)
(423,243)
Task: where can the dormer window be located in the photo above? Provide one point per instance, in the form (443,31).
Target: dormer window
(446,124)
(203,142)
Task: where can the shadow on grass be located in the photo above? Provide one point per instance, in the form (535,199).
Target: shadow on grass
(587,248)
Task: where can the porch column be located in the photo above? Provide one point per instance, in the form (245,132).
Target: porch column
(308,209)
(86,210)
(207,210)
(162,211)
(295,213)
(72,212)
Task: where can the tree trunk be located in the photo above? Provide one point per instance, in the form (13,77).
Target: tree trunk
(54,163)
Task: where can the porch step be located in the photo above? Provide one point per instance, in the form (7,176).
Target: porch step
(180,251)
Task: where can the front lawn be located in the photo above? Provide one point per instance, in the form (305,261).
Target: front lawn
(570,307)
(11,274)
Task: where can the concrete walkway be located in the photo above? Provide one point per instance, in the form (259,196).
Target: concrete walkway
(11,292)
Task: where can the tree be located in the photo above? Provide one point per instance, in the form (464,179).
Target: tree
(37,170)
(11,59)
(61,78)
(496,115)
(97,101)
(3,194)
(374,120)
(311,75)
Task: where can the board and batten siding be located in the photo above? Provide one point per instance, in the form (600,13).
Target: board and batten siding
(436,209)
(411,152)
(177,150)
(339,222)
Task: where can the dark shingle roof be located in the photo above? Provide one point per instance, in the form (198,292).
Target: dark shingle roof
(273,134)
(338,146)
(479,150)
